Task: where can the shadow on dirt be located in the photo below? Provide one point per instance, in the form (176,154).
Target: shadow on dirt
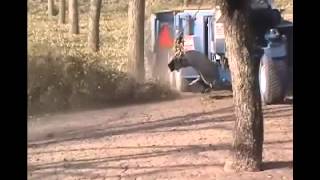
(279,112)
(277,142)
(45,170)
(277,165)
(102,130)
(146,170)
(73,167)
(114,104)
(171,124)
(217,96)
(158,147)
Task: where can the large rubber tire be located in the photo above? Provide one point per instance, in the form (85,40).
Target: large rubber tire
(181,83)
(273,75)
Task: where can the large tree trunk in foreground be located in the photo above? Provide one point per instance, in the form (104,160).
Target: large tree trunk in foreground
(136,39)
(93,37)
(248,129)
(62,11)
(50,8)
(74,16)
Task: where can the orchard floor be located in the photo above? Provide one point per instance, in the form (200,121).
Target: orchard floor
(186,138)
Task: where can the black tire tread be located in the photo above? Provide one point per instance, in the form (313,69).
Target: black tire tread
(276,77)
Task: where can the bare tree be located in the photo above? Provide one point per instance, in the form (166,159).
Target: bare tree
(93,37)
(186,3)
(74,16)
(50,8)
(248,129)
(62,11)
(136,38)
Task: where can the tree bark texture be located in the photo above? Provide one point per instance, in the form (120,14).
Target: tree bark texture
(186,3)
(248,129)
(136,39)
(94,18)
(74,16)
(62,11)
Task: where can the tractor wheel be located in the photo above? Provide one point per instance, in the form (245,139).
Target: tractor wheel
(272,80)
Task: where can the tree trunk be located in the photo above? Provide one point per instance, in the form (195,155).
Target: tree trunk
(248,129)
(74,16)
(62,12)
(185,3)
(136,39)
(50,8)
(93,37)
(149,41)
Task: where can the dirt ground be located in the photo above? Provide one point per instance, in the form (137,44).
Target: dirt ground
(187,138)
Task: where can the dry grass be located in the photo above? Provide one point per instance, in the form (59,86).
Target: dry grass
(113,28)
(63,73)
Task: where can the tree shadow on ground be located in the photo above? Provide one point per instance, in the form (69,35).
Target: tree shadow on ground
(109,105)
(218,97)
(278,142)
(171,124)
(74,167)
(276,108)
(146,170)
(177,147)
(277,165)
(102,163)
(278,112)
(102,130)
(189,129)
(273,116)
(158,147)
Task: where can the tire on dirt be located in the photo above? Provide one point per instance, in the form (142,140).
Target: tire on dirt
(273,75)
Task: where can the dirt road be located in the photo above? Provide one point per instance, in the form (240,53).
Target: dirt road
(188,138)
